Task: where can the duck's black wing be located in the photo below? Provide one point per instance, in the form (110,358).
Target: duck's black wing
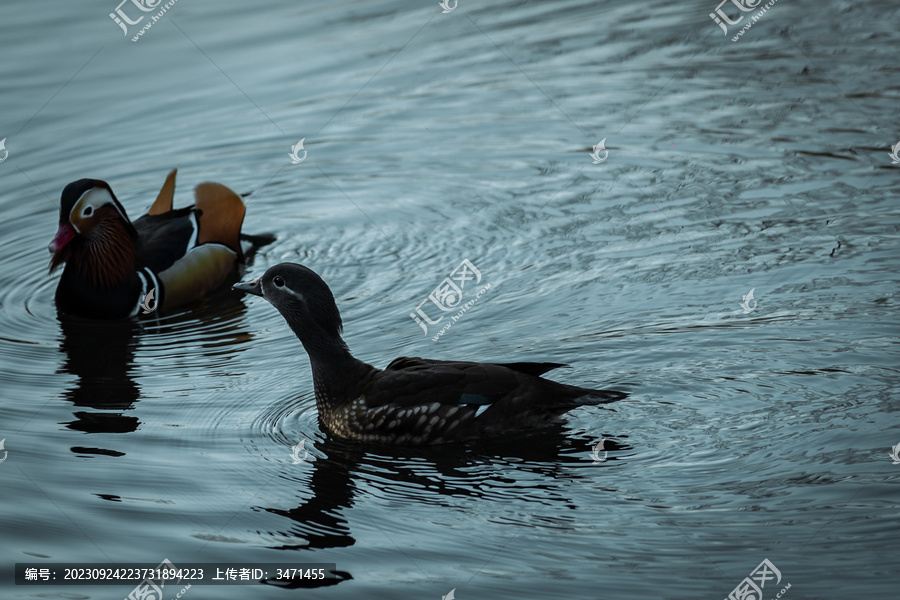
(419,400)
(529,368)
(164,238)
(509,387)
(411,381)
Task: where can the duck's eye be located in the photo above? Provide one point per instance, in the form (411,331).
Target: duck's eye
(278,281)
(88,211)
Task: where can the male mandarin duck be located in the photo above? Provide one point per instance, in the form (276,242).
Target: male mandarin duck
(414,401)
(113,264)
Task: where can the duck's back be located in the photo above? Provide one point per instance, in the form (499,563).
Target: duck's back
(422,401)
(165,238)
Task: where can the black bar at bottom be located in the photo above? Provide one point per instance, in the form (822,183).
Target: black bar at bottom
(168,575)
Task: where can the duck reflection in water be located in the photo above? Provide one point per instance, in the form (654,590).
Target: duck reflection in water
(477,469)
(101,355)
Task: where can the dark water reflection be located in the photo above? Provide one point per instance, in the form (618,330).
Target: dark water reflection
(453,470)
(101,356)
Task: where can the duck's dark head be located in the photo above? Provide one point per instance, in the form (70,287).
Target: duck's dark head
(304,301)
(94,231)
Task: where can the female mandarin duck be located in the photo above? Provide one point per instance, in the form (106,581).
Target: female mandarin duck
(113,264)
(413,401)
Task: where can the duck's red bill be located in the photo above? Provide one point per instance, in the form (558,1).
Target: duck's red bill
(64,235)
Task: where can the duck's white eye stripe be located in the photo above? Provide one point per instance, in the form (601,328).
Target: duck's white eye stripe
(93,199)
(300,297)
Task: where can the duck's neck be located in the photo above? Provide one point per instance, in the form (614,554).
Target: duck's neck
(337,375)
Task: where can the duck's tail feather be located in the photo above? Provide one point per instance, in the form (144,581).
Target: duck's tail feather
(588,397)
(250,244)
(532,368)
(262,239)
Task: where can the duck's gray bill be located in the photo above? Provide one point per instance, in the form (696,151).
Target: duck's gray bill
(252,287)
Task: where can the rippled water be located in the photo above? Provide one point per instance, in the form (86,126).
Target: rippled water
(759,164)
